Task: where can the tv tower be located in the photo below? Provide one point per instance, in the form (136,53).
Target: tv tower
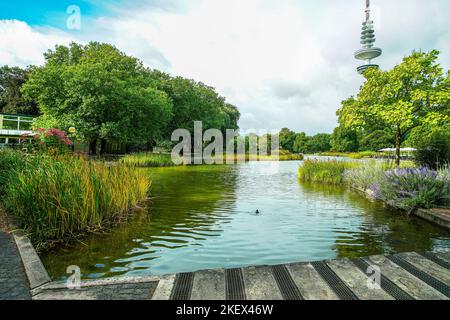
(368,51)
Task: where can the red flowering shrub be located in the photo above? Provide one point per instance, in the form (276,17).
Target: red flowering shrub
(52,140)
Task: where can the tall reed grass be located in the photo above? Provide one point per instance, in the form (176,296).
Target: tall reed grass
(329,172)
(147,160)
(54,198)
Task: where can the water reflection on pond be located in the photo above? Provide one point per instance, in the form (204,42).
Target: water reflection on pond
(205,217)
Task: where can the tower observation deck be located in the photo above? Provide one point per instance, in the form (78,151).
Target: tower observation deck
(368,51)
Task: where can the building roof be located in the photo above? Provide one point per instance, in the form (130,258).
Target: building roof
(17,115)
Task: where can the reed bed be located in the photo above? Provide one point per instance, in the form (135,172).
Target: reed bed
(147,160)
(329,172)
(57,198)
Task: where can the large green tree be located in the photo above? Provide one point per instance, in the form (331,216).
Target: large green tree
(413,93)
(100,91)
(11,98)
(376,140)
(344,139)
(287,139)
(319,143)
(301,143)
(194,101)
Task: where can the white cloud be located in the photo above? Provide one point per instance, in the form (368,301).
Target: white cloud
(22,45)
(283,63)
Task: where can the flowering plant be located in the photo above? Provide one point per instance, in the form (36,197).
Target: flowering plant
(52,140)
(411,188)
(52,137)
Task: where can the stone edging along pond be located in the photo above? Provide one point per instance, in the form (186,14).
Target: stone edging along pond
(440,217)
(36,273)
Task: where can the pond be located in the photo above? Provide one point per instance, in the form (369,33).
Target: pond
(205,217)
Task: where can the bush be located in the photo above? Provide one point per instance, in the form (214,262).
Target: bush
(57,198)
(434,149)
(331,172)
(410,189)
(51,141)
(366,175)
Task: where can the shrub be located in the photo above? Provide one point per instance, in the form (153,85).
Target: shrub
(410,189)
(52,141)
(434,149)
(55,198)
(331,172)
(366,175)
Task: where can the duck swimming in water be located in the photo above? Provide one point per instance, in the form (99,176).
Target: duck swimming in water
(257,211)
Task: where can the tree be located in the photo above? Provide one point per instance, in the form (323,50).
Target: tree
(319,143)
(287,139)
(344,139)
(413,93)
(11,99)
(376,140)
(194,101)
(100,91)
(301,143)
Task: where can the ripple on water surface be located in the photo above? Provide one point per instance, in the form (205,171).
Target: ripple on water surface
(205,217)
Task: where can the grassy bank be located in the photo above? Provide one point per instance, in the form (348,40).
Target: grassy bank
(330,172)
(353,155)
(147,160)
(406,188)
(165,160)
(56,198)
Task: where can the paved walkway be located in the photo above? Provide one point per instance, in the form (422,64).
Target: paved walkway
(13,281)
(405,276)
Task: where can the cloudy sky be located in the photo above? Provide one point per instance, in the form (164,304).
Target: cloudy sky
(284,63)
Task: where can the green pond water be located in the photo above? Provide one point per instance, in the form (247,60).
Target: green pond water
(205,217)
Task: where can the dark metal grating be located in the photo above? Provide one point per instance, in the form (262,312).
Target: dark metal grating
(182,287)
(235,287)
(287,286)
(425,277)
(431,256)
(387,285)
(335,283)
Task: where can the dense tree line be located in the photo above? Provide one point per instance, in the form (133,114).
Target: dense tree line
(301,143)
(108,96)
